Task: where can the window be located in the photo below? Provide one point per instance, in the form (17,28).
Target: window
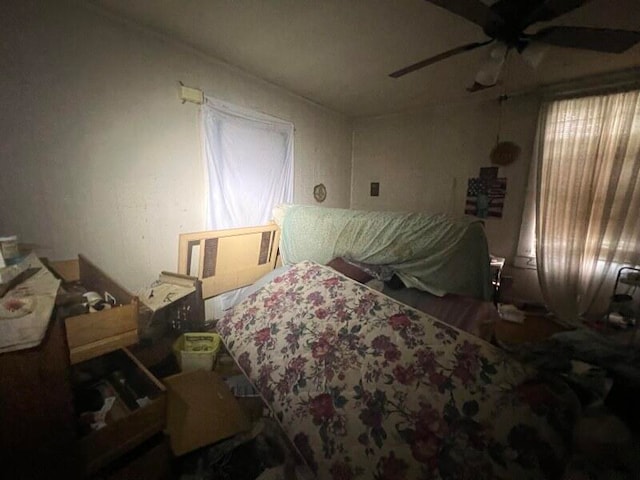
(583,198)
(249,162)
(249,158)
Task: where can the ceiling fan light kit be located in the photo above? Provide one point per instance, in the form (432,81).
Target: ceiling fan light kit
(490,71)
(534,54)
(505,22)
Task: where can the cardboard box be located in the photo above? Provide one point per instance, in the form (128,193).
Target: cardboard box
(201,410)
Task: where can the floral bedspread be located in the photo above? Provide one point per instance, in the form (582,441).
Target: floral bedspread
(369,388)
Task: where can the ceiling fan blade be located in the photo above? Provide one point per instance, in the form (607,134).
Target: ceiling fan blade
(473,10)
(522,13)
(597,39)
(437,58)
(550,9)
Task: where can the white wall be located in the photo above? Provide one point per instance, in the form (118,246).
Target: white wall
(424,159)
(97,154)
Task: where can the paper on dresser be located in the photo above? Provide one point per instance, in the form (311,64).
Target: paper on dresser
(25,310)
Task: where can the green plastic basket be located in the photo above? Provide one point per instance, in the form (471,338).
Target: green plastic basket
(196,351)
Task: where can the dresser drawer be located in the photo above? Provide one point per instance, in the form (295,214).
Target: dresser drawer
(93,334)
(138,406)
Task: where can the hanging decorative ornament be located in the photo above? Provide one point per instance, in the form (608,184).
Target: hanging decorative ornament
(504,152)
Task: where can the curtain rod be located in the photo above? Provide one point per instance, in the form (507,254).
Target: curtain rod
(596,84)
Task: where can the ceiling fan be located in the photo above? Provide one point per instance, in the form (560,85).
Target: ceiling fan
(505,22)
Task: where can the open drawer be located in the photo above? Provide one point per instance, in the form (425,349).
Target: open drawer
(113,391)
(131,403)
(92,334)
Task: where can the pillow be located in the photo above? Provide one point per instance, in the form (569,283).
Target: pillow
(341,265)
(379,272)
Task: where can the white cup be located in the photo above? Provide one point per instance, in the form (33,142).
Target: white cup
(92,297)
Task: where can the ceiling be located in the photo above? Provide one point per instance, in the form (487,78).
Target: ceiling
(338,53)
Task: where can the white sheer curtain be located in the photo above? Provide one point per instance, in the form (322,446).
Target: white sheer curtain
(249,163)
(526,253)
(587,221)
(249,160)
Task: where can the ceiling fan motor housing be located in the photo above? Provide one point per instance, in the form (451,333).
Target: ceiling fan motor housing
(505,21)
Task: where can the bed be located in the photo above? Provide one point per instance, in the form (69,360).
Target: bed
(440,265)
(366,386)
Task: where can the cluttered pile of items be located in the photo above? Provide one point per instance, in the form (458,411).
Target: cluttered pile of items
(122,394)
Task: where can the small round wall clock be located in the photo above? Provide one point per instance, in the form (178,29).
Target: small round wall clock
(320,192)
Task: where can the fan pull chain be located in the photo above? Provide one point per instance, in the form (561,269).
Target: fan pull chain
(501,99)
(503,96)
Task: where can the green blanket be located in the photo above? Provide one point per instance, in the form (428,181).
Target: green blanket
(435,253)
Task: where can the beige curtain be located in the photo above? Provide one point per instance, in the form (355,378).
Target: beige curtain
(588,199)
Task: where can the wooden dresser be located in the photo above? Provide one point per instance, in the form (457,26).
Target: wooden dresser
(37,420)
(40,432)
